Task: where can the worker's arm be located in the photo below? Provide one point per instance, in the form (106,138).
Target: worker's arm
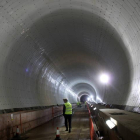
(64,108)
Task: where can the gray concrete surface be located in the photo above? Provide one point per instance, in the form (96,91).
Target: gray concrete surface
(80,128)
(128,124)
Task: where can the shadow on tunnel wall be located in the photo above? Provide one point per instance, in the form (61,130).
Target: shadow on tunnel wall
(56,33)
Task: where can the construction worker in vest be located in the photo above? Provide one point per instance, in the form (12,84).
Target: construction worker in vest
(67,113)
(78,104)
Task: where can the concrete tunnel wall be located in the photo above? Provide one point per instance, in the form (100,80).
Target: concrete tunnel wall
(48,46)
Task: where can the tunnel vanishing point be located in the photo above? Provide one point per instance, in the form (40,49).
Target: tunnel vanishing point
(55,49)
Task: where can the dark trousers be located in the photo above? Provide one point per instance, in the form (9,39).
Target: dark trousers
(68,120)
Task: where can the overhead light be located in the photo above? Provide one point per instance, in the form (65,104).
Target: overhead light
(110,124)
(94,108)
(114,121)
(104,78)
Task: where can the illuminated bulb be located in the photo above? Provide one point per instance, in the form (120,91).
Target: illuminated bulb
(110,124)
(104,78)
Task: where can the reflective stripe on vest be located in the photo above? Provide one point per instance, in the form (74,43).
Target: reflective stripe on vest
(68,110)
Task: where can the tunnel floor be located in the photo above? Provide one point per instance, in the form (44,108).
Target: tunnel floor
(80,128)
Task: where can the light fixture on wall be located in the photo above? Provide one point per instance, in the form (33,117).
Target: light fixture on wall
(110,124)
(94,108)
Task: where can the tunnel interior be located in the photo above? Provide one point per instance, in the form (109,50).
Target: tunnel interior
(83,98)
(50,50)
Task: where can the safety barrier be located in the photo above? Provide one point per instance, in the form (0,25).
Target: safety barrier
(92,132)
(26,120)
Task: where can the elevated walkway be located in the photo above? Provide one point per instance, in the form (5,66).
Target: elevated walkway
(80,128)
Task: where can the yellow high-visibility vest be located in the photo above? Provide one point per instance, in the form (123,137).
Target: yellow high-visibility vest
(68,110)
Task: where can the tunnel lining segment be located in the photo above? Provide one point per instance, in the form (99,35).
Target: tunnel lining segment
(29,30)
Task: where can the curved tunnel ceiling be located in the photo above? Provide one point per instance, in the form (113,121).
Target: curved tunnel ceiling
(84,89)
(49,47)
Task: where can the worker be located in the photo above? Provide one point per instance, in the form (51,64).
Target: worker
(67,113)
(77,104)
